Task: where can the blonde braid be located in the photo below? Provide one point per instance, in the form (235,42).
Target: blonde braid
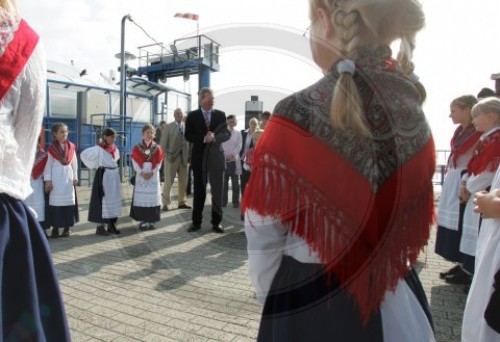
(405,54)
(347,108)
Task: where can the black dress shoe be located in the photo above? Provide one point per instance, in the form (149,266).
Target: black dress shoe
(184,206)
(217,229)
(194,228)
(451,271)
(459,277)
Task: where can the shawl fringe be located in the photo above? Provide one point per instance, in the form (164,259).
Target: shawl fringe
(368,255)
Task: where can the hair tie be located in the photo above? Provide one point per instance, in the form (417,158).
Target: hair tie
(346,66)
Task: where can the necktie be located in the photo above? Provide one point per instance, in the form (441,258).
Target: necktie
(207,119)
(180,129)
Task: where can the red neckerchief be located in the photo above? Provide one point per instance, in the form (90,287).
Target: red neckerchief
(39,165)
(365,238)
(63,156)
(143,153)
(16,56)
(463,140)
(109,148)
(486,157)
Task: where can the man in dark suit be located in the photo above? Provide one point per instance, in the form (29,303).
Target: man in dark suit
(206,129)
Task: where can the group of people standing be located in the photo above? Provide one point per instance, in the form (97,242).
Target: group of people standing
(467,236)
(207,140)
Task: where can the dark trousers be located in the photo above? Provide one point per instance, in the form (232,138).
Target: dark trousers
(235,185)
(201,178)
(245,176)
(189,176)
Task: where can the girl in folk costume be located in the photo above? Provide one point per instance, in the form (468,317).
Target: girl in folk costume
(36,200)
(106,197)
(340,202)
(61,176)
(147,157)
(481,322)
(31,306)
(480,170)
(450,209)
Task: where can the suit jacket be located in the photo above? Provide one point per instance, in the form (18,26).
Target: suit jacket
(173,143)
(211,154)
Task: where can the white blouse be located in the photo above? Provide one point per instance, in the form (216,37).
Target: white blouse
(21,113)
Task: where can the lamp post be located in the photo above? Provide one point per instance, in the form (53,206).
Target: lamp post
(123,88)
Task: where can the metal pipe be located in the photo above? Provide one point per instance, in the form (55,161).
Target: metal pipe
(123,90)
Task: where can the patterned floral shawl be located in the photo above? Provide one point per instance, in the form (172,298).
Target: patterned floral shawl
(365,206)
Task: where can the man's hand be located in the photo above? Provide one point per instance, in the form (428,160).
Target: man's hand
(209,137)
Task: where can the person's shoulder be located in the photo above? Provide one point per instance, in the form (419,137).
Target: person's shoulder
(219,112)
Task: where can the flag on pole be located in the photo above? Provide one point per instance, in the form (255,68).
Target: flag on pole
(191,16)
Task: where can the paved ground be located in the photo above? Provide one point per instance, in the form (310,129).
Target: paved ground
(170,285)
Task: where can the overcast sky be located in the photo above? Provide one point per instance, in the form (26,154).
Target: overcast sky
(263,51)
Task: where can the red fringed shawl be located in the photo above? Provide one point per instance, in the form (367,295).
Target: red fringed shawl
(143,153)
(39,165)
(366,239)
(486,157)
(13,60)
(463,140)
(64,156)
(111,149)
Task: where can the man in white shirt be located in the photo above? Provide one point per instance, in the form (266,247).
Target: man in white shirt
(232,149)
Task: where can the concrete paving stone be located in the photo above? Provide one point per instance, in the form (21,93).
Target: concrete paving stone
(213,323)
(160,329)
(156,338)
(185,326)
(240,339)
(77,303)
(240,330)
(217,334)
(94,319)
(137,333)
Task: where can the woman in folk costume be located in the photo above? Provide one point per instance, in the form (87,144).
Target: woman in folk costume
(480,170)
(31,307)
(450,210)
(61,176)
(36,200)
(106,197)
(147,157)
(340,202)
(481,322)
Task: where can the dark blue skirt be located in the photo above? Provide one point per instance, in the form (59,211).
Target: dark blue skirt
(31,307)
(448,241)
(314,310)
(146,214)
